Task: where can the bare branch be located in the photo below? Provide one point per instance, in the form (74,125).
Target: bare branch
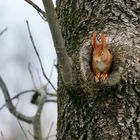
(51,72)
(51,101)
(4,30)
(22,130)
(31,74)
(29,91)
(64,61)
(36,7)
(52,94)
(10,104)
(49,137)
(37,118)
(39,57)
(16,96)
(43,138)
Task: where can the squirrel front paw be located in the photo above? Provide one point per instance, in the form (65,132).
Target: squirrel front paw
(104,76)
(97,77)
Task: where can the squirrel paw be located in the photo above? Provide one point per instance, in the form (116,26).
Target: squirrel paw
(104,76)
(97,77)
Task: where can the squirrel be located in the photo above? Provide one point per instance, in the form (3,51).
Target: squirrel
(101,58)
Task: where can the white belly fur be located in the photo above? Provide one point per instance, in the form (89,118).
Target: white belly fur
(100,66)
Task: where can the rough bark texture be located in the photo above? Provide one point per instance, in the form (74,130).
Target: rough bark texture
(109,110)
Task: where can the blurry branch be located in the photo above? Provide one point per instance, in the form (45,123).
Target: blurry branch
(40,62)
(44,87)
(4,30)
(22,130)
(51,72)
(16,96)
(2,135)
(52,94)
(51,101)
(29,91)
(31,74)
(49,137)
(64,61)
(10,105)
(39,77)
(36,7)
(37,119)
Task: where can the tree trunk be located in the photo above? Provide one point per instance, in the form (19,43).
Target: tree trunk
(109,110)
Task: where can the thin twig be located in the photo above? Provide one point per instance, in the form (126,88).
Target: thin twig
(51,72)
(37,118)
(52,94)
(39,78)
(43,17)
(22,130)
(49,137)
(10,105)
(42,138)
(4,30)
(51,101)
(39,10)
(40,62)
(16,96)
(31,74)
(2,136)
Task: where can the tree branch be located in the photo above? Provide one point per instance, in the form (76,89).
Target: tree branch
(10,105)
(16,96)
(4,30)
(37,118)
(36,7)
(64,61)
(32,77)
(40,62)
(32,90)
(22,130)
(51,94)
(51,101)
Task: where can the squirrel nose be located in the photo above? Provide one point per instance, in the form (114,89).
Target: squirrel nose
(97,60)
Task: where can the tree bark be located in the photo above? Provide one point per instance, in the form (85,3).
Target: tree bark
(109,110)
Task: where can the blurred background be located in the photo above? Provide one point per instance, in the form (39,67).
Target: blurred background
(16,52)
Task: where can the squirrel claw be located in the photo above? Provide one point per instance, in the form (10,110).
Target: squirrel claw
(104,76)
(97,78)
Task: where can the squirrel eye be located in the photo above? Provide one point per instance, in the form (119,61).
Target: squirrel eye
(102,53)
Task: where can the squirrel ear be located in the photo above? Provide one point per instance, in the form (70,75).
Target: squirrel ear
(103,38)
(94,40)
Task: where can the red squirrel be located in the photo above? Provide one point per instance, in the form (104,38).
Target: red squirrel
(101,58)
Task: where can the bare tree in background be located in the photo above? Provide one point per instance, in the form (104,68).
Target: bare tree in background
(109,110)
(39,98)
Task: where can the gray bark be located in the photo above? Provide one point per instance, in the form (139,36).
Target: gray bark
(109,110)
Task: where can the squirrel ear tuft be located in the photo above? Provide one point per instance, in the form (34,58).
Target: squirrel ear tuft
(94,40)
(103,38)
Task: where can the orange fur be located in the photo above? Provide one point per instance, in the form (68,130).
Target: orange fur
(101,58)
